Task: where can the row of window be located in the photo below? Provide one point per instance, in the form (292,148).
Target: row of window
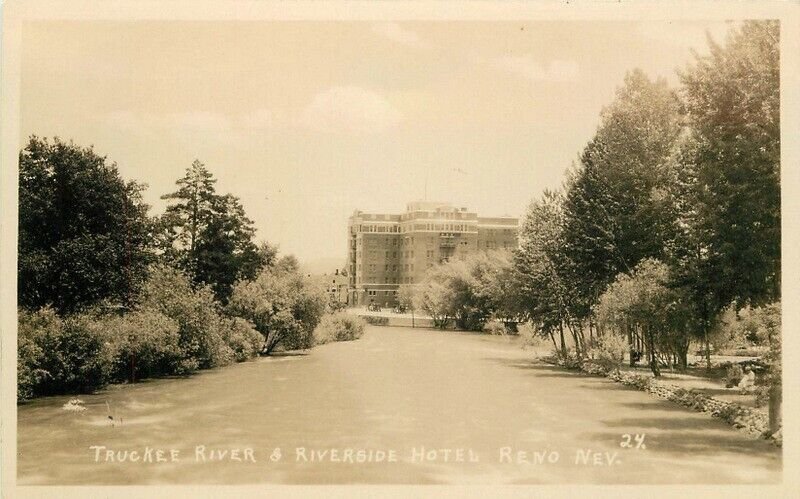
(387,280)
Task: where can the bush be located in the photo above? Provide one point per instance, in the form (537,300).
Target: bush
(609,351)
(376,321)
(242,338)
(33,327)
(570,361)
(733,375)
(340,326)
(283,305)
(495,327)
(147,343)
(62,355)
(170,292)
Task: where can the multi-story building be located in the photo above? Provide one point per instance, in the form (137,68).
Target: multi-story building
(386,251)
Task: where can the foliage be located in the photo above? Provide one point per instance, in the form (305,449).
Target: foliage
(644,301)
(33,328)
(433,296)
(470,291)
(283,305)
(83,231)
(62,355)
(732,100)
(495,327)
(340,326)
(610,351)
(615,212)
(169,292)
(209,235)
(242,338)
(146,343)
(733,375)
(405,296)
(376,320)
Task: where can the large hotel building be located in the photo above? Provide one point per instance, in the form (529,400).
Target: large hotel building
(387,251)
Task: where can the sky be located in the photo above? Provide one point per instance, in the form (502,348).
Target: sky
(308,121)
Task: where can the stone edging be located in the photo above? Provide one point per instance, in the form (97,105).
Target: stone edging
(745,418)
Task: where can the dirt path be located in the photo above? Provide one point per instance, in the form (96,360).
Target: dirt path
(397,391)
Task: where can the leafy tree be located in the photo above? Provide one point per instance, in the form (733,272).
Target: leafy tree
(541,291)
(434,297)
(284,306)
(201,329)
(642,301)
(83,231)
(288,263)
(616,211)
(732,99)
(469,291)
(209,235)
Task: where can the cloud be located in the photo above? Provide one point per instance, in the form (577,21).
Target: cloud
(527,67)
(397,33)
(349,109)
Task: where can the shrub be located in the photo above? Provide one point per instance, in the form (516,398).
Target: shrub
(33,326)
(340,326)
(242,338)
(284,306)
(570,361)
(63,355)
(147,343)
(170,292)
(529,334)
(733,375)
(495,327)
(609,352)
(376,321)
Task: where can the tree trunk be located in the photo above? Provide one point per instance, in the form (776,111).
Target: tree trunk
(652,354)
(683,357)
(631,347)
(563,342)
(553,339)
(775,399)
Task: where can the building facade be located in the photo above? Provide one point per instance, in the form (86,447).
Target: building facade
(386,251)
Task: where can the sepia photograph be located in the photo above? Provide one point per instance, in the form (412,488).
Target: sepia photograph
(519,250)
